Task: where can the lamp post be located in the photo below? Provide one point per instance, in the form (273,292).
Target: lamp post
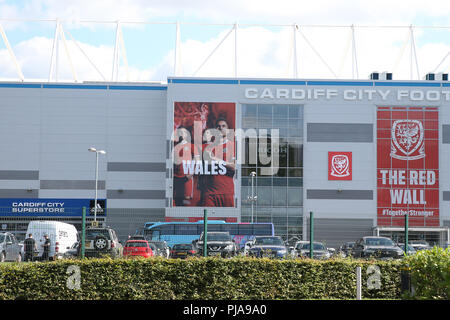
(252,198)
(96,178)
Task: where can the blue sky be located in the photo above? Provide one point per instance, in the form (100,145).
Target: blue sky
(263,51)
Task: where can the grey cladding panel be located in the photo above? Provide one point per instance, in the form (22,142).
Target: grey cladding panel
(339,132)
(446,133)
(137,166)
(339,195)
(136,194)
(19,193)
(19,175)
(446,195)
(72,184)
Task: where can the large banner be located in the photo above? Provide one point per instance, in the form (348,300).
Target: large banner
(408,165)
(204,160)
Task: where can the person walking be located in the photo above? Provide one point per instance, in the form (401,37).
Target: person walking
(46,245)
(29,248)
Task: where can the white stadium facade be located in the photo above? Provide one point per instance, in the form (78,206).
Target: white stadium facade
(359,154)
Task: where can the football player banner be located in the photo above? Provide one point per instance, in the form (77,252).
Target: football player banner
(408,166)
(204,161)
(339,166)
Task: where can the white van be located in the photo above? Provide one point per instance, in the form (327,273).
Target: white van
(62,236)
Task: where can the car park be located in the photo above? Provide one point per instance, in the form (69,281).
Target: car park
(183,251)
(10,249)
(218,244)
(377,247)
(137,248)
(319,251)
(268,246)
(101,242)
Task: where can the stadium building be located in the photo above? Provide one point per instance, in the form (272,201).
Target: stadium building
(359,154)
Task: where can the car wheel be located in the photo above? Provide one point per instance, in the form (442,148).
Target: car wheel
(100,243)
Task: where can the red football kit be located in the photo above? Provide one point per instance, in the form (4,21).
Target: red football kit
(219,189)
(185,192)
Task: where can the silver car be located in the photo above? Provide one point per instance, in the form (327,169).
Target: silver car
(10,249)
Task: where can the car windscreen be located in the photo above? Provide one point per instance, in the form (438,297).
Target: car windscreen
(93,233)
(218,237)
(182,247)
(269,241)
(136,244)
(378,242)
(316,246)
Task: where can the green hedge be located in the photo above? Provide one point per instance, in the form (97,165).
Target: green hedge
(199,278)
(430,273)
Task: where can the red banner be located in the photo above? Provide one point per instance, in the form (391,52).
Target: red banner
(204,154)
(408,166)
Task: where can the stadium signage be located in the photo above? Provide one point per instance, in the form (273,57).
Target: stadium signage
(348,94)
(408,165)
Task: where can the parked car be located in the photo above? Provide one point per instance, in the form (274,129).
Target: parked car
(218,244)
(102,241)
(183,250)
(62,237)
(347,248)
(420,245)
(162,249)
(73,252)
(268,246)
(10,250)
(297,247)
(377,247)
(411,250)
(138,248)
(319,251)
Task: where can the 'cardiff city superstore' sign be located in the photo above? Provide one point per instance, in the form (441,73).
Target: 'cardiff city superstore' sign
(408,165)
(50,207)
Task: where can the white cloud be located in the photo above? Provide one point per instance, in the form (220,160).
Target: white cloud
(262,51)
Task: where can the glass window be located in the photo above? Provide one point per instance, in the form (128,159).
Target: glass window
(140,244)
(295,172)
(230,228)
(167,229)
(262,229)
(264,196)
(279,196)
(280,123)
(245,229)
(280,111)
(280,181)
(295,155)
(185,229)
(295,197)
(249,110)
(265,111)
(295,111)
(214,227)
(295,182)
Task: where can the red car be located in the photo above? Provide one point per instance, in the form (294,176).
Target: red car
(135,248)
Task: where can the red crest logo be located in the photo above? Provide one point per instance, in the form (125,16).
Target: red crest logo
(339,166)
